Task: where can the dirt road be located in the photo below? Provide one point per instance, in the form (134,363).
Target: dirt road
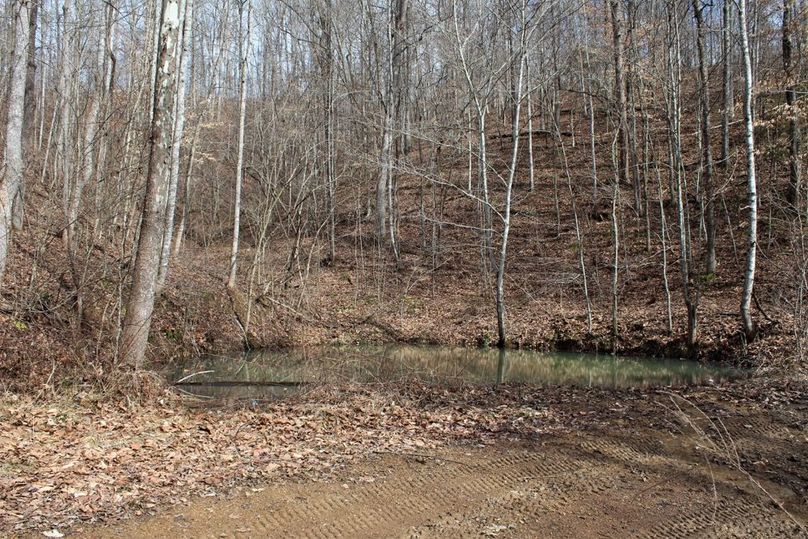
(631,475)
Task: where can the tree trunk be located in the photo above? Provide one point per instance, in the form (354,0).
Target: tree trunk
(506,217)
(243,48)
(620,90)
(30,75)
(706,149)
(29,116)
(140,306)
(794,193)
(729,105)
(530,159)
(179,236)
(680,187)
(396,35)
(202,112)
(663,233)
(385,164)
(177,140)
(631,127)
(747,323)
(88,165)
(14,164)
(615,262)
(328,98)
(592,152)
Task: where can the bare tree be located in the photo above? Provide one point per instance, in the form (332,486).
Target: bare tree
(705,140)
(13,155)
(397,21)
(726,86)
(579,239)
(794,193)
(75,184)
(177,139)
(674,113)
(748,324)
(137,323)
(30,73)
(424,108)
(620,89)
(326,56)
(519,60)
(243,48)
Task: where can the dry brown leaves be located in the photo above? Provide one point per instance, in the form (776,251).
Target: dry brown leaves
(68,462)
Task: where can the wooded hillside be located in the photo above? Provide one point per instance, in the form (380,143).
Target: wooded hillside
(199,175)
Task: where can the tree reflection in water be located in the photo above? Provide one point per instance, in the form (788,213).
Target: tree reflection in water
(273,374)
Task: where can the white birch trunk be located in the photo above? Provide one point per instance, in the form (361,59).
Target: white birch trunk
(244,46)
(506,214)
(751,185)
(179,130)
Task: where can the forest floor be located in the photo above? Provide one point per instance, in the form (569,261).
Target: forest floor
(411,460)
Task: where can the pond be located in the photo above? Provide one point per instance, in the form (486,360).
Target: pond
(274,374)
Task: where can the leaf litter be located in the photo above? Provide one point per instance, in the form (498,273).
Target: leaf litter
(84,460)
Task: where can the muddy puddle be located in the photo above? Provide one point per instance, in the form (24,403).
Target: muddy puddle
(275,374)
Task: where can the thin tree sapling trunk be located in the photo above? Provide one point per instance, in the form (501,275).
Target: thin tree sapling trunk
(243,48)
(747,323)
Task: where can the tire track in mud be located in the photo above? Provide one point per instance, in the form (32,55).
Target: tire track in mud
(403,503)
(597,482)
(594,470)
(725,519)
(744,516)
(585,484)
(553,487)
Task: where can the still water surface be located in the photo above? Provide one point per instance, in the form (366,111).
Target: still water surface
(273,374)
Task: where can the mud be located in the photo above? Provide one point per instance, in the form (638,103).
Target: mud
(630,465)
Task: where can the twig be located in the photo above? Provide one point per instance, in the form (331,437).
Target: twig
(730,450)
(184,378)
(203,397)
(760,308)
(304,316)
(242,383)
(233,439)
